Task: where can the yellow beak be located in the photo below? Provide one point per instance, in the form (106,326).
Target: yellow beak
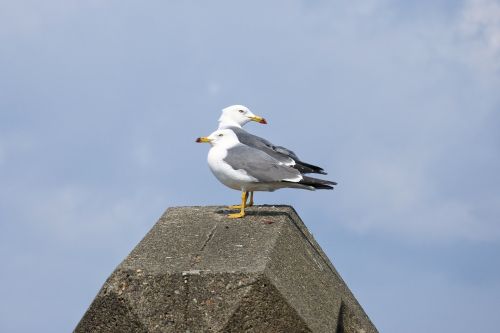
(258,119)
(203,139)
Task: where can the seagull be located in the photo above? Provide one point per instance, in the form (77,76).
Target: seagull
(247,169)
(234,117)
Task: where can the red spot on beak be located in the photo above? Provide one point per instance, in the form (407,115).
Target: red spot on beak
(263,121)
(198,140)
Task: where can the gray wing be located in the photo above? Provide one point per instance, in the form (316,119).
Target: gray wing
(258,164)
(281,154)
(286,151)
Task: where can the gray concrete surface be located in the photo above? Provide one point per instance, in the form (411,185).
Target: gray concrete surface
(198,271)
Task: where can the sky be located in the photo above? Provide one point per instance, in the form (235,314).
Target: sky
(100,103)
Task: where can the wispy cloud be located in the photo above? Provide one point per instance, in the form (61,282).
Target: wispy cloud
(480,25)
(412,161)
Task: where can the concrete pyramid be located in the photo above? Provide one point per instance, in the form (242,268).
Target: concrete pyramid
(198,271)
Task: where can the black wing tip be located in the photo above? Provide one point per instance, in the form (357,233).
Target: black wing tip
(328,185)
(323,187)
(319,184)
(304,167)
(318,170)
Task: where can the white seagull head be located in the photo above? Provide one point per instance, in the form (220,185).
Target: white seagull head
(238,115)
(223,137)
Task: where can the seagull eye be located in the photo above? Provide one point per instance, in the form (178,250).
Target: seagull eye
(241,111)
(221,134)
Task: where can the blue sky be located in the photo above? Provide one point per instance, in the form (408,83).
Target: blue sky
(100,103)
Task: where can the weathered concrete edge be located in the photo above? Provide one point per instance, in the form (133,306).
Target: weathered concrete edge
(348,299)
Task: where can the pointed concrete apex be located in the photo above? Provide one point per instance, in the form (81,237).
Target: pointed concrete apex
(198,271)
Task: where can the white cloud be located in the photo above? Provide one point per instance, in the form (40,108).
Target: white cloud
(479,25)
(395,200)
(401,169)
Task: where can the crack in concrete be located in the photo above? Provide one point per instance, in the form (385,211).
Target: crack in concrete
(209,237)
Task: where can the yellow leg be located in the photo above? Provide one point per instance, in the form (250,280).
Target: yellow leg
(242,211)
(239,206)
(250,204)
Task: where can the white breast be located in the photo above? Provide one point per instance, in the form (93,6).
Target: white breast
(235,179)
